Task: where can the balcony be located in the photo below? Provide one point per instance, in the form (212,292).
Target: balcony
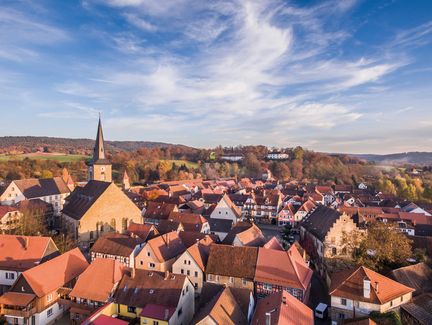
(72,304)
(18,312)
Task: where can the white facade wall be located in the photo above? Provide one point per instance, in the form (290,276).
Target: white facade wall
(186,305)
(5,281)
(191,269)
(223,211)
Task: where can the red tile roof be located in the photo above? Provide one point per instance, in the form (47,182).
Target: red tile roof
(20,299)
(285,268)
(349,284)
(284,309)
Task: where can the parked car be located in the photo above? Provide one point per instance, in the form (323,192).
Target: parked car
(321,311)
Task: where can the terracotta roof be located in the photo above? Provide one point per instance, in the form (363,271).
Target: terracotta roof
(20,299)
(6,209)
(284,309)
(222,309)
(284,268)
(22,252)
(34,188)
(107,320)
(55,273)
(351,286)
(237,228)
(190,221)
(418,276)
(251,237)
(233,207)
(165,226)
(274,243)
(99,280)
(158,210)
(143,231)
(212,198)
(232,261)
(116,244)
(200,251)
(82,198)
(190,238)
(176,200)
(167,246)
(147,287)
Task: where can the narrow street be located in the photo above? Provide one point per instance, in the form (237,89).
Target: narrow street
(319,293)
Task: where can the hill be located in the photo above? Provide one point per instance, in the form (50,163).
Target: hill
(406,158)
(27,144)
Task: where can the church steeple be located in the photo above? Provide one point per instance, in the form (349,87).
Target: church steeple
(100,167)
(99,149)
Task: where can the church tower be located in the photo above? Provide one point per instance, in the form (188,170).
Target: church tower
(100,167)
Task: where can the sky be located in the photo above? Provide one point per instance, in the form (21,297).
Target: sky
(350,76)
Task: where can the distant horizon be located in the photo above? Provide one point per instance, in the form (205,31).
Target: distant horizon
(224,146)
(332,76)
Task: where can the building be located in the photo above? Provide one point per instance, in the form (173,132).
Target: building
(232,266)
(193,261)
(51,190)
(244,233)
(191,221)
(224,305)
(94,288)
(277,155)
(155,298)
(9,218)
(34,297)
(281,308)
(97,208)
(226,209)
(286,271)
(100,168)
(143,231)
(21,253)
(356,293)
(322,235)
(118,247)
(159,253)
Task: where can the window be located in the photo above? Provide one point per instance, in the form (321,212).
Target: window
(10,276)
(244,282)
(188,262)
(142,262)
(188,272)
(267,286)
(217,277)
(196,285)
(343,301)
(401,298)
(131,309)
(182,271)
(196,274)
(391,303)
(152,265)
(210,277)
(231,279)
(155,322)
(180,311)
(341,316)
(49,297)
(187,288)
(49,312)
(184,262)
(148,254)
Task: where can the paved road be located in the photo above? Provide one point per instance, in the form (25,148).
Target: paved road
(318,293)
(269,230)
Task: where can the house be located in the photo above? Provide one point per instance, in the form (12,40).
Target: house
(264,206)
(191,221)
(232,265)
(274,243)
(51,190)
(286,271)
(220,227)
(306,208)
(286,215)
(356,293)
(417,276)
(104,316)
(323,234)
(21,253)
(34,297)
(94,288)
(155,297)
(224,305)
(142,231)
(157,211)
(97,208)
(418,311)
(281,308)
(9,218)
(244,233)
(159,253)
(232,157)
(226,209)
(118,247)
(277,155)
(193,263)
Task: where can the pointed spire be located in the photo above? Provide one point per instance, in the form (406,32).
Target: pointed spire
(99,149)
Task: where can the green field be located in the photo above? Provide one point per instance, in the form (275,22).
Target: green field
(189,164)
(44,156)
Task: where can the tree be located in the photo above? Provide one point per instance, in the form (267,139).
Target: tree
(32,223)
(64,242)
(384,247)
(252,165)
(280,170)
(286,232)
(298,153)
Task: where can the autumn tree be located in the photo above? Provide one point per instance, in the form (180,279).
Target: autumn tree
(252,165)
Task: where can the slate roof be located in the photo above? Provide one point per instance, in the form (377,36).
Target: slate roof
(418,276)
(319,222)
(116,244)
(82,198)
(420,308)
(220,225)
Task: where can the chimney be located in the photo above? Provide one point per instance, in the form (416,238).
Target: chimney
(376,287)
(284,299)
(366,288)
(133,273)
(26,243)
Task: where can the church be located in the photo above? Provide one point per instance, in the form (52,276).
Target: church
(100,206)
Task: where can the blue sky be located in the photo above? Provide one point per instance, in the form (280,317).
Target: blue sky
(336,76)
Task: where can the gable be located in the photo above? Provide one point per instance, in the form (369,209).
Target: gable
(21,285)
